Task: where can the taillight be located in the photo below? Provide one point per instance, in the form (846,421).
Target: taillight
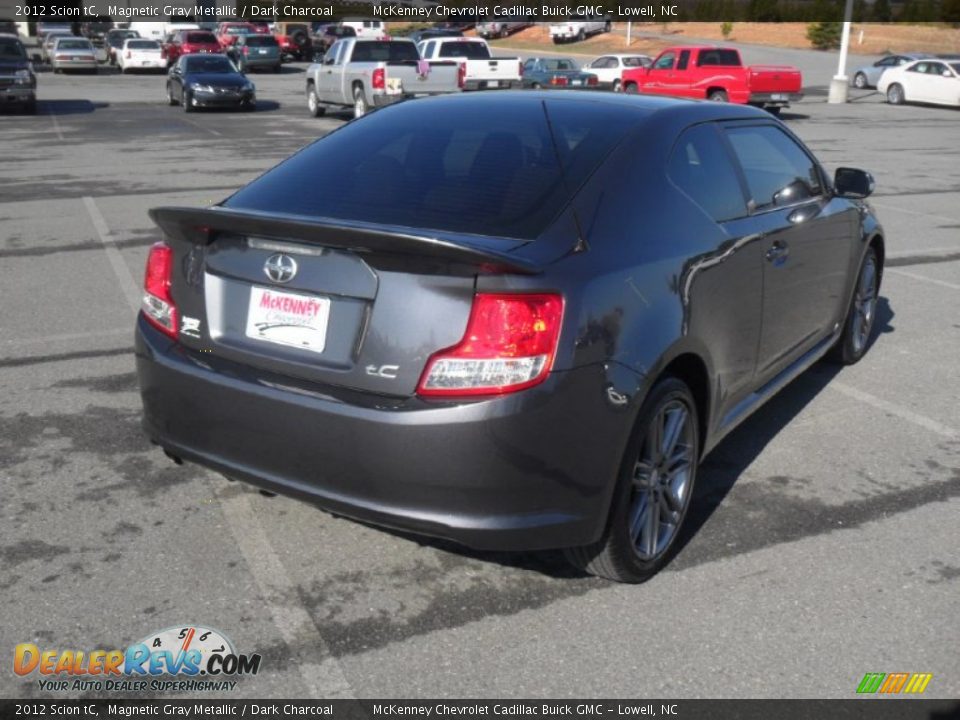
(158,306)
(592,80)
(510,344)
(462,75)
(379,79)
(558,80)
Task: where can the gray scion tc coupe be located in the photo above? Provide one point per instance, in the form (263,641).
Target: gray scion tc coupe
(514,320)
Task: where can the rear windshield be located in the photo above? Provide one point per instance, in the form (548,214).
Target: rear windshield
(73,45)
(727,58)
(11,49)
(469,50)
(206,37)
(261,41)
(385,51)
(487,168)
(143,44)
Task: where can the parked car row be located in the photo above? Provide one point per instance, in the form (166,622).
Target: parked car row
(913,77)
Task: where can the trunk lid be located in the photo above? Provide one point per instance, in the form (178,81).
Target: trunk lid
(376,302)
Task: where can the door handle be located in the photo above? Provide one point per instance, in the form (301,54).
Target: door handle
(778,252)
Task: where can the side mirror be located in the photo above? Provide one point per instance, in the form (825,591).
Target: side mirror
(853,183)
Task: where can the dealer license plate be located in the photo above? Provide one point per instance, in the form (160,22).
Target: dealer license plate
(288,319)
(493,83)
(577,82)
(778,96)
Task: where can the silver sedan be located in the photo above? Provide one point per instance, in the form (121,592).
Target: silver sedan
(73,53)
(869,75)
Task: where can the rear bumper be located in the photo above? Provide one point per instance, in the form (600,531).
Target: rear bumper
(533,470)
(489,84)
(781,99)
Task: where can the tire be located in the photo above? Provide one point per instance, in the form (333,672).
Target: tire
(314,106)
(616,86)
(185,101)
(718,96)
(631,89)
(895,94)
(854,341)
(171,100)
(30,107)
(360,106)
(504,32)
(607,26)
(581,36)
(860,81)
(653,490)
(278,68)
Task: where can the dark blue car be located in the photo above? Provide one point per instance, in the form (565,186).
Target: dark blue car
(197,81)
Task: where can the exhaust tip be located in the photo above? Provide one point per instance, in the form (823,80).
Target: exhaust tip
(268,494)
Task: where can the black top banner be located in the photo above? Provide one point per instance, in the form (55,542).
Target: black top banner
(468,11)
(863,709)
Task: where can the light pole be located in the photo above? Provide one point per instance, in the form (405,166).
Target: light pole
(840,84)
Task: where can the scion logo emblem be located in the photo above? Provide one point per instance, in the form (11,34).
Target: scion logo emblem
(280,268)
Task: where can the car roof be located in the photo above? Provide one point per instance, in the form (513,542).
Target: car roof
(655,108)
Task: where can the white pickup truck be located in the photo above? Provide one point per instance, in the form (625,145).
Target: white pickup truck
(365,73)
(478,69)
(577,29)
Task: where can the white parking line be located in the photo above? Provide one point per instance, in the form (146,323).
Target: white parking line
(56,125)
(319,669)
(203,127)
(899,411)
(923,278)
(130,289)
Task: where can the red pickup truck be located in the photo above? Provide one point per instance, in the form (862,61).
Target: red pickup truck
(718,74)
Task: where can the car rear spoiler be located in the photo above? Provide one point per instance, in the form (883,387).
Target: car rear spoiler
(198,225)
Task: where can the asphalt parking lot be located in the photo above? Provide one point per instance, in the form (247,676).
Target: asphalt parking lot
(824,540)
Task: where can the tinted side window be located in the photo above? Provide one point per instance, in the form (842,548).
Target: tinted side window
(777,169)
(684,60)
(701,166)
(665,62)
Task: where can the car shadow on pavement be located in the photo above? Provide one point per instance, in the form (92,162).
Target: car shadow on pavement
(721,469)
(69,107)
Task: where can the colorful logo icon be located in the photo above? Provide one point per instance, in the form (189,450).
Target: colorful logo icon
(894,683)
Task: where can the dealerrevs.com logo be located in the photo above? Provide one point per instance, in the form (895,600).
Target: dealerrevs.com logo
(188,658)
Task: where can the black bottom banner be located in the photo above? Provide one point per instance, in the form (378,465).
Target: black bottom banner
(867,709)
